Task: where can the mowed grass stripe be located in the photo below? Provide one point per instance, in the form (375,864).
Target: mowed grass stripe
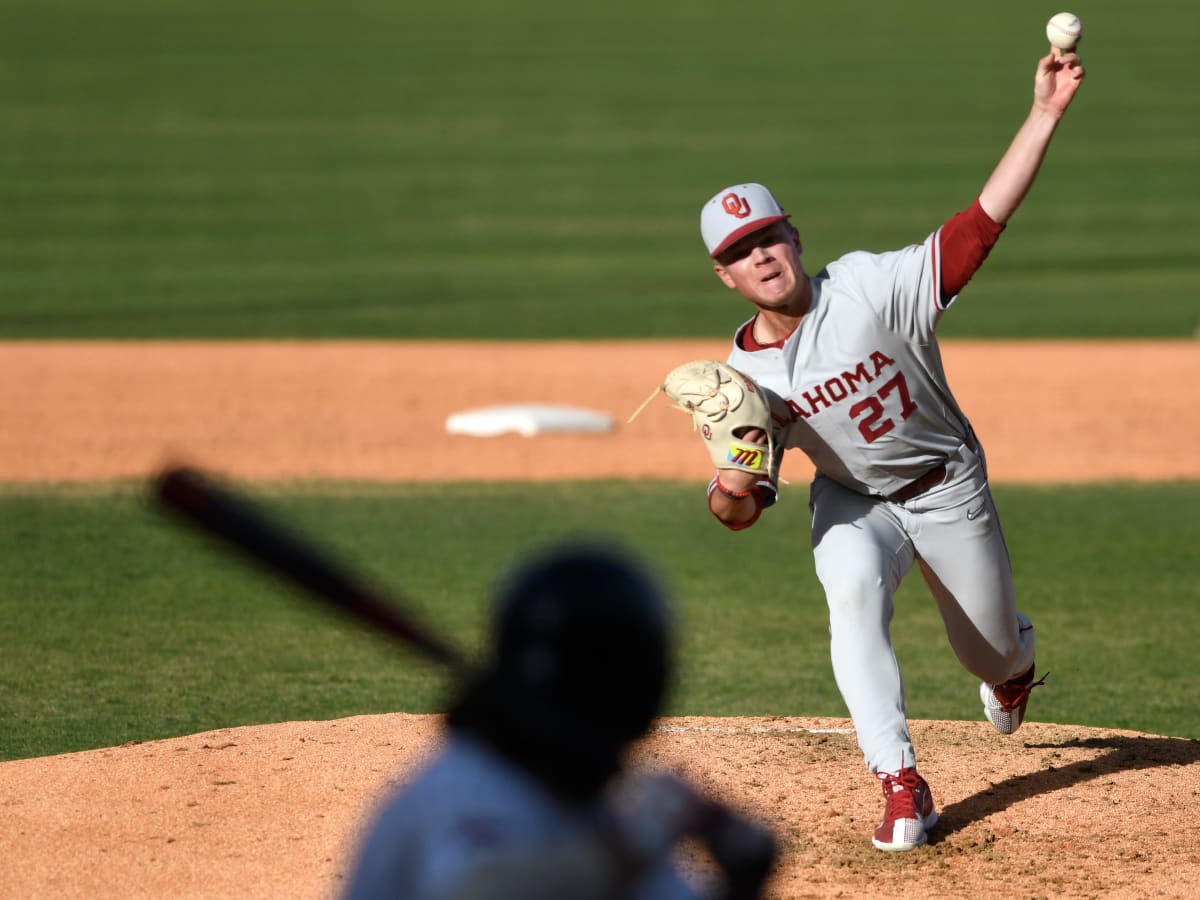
(292,169)
(122,626)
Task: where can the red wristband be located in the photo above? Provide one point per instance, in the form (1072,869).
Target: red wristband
(728,492)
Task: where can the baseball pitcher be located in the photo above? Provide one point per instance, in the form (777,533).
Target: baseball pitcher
(844,365)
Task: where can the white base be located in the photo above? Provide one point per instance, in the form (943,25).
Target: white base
(527,419)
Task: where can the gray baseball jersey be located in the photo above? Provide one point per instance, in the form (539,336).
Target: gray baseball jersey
(862,373)
(863,377)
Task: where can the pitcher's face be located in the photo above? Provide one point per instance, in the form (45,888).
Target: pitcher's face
(765,268)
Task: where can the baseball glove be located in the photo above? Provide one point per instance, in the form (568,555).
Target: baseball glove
(725,404)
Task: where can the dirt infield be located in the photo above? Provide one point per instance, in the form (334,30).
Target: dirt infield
(272,811)
(1048,411)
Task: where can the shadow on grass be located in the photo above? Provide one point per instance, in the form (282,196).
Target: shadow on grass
(1123,754)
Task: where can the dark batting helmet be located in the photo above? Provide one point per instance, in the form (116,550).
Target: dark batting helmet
(578,666)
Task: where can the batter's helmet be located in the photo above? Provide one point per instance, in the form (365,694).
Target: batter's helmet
(578,667)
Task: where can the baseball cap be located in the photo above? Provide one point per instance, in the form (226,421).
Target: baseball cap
(735,212)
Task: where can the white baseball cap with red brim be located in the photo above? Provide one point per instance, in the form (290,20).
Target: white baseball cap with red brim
(736,212)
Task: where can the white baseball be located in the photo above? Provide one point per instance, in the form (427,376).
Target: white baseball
(1064,31)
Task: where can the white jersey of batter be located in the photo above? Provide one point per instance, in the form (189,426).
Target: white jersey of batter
(862,373)
(468,808)
(871,408)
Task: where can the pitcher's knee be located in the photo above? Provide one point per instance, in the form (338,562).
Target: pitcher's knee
(854,598)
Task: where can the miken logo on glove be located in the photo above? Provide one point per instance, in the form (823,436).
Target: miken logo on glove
(746,457)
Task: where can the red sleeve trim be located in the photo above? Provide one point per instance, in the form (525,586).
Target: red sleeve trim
(764,494)
(966,240)
(739,526)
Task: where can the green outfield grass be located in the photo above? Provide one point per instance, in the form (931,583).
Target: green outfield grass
(278,168)
(120,626)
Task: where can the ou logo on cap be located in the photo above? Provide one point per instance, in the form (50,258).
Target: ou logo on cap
(736,206)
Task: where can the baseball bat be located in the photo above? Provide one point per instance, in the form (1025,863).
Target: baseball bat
(220,512)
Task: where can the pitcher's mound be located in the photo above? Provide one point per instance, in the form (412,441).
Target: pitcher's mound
(272,811)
